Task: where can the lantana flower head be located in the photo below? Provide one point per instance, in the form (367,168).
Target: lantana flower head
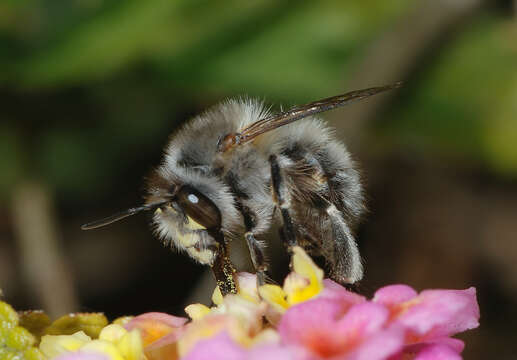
(308,318)
(432,316)
(331,331)
(239,316)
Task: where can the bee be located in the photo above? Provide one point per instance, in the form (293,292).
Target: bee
(233,171)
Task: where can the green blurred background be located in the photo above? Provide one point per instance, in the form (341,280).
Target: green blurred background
(91,89)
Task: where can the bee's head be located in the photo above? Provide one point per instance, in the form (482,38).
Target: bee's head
(195,212)
(192,212)
(183,199)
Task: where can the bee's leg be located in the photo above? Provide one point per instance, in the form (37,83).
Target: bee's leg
(257,257)
(282,199)
(222,267)
(347,265)
(255,247)
(344,257)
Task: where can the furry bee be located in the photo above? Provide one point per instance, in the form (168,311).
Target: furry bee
(234,170)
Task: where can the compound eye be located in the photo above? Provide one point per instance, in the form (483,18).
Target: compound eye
(200,208)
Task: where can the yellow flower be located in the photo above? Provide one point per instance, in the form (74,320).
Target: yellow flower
(197,311)
(54,345)
(246,289)
(128,343)
(114,341)
(159,333)
(240,315)
(103,347)
(304,283)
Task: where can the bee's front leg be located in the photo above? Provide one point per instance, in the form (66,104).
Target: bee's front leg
(222,267)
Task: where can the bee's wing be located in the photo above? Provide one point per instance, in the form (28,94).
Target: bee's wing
(299,112)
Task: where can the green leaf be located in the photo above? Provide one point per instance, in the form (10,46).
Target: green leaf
(452,108)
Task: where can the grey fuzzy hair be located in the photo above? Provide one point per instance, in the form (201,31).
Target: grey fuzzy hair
(190,156)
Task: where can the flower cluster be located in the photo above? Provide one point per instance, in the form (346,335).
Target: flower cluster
(307,318)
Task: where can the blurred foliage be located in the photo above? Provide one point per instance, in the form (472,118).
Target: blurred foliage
(90,77)
(465,102)
(196,43)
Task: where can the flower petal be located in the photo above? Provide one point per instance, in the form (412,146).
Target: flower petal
(130,345)
(217,296)
(363,320)
(266,337)
(54,345)
(79,355)
(112,333)
(430,351)
(103,347)
(123,320)
(279,352)
(305,267)
(275,296)
(164,348)
(394,294)
(206,328)
(301,322)
(439,313)
(247,313)
(455,344)
(298,288)
(381,345)
(197,311)
(219,347)
(247,286)
(334,291)
(325,327)
(154,325)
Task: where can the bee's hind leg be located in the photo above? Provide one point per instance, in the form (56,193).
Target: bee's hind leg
(346,263)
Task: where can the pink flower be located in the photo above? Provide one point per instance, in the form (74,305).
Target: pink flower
(329,323)
(308,318)
(218,347)
(159,332)
(154,325)
(333,290)
(335,323)
(330,329)
(431,316)
(222,347)
(430,351)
